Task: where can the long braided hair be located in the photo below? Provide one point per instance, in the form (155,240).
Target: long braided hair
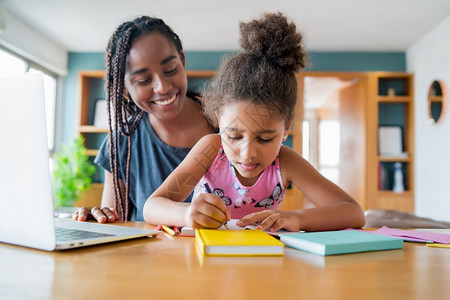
(124,115)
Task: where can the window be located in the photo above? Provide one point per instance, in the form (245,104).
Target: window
(329,149)
(14,66)
(305,140)
(11,65)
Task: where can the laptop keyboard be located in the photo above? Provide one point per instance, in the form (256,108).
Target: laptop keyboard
(65,234)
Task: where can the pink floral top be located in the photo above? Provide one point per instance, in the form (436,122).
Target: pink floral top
(221,180)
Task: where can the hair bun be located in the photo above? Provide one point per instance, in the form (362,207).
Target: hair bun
(275,38)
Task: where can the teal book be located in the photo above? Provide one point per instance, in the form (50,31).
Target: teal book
(340,242)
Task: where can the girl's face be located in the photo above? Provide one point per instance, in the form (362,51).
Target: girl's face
(155,76)
(251,138)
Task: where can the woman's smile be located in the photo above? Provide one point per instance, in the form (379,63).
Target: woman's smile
(164,102)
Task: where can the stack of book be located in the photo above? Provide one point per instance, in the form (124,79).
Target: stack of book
(340,242)
(215,242)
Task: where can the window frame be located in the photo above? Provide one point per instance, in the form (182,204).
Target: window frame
(57,113)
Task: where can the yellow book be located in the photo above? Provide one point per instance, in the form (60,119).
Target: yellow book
(437,245)
(237,243)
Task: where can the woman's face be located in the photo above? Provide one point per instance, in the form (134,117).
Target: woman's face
(155,76)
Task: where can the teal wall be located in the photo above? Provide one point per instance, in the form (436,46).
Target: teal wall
(357,61)
(319,61)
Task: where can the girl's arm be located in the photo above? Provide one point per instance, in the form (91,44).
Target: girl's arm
(165,205)
(335,209)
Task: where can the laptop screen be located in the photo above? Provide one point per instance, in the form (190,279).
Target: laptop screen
(24,164)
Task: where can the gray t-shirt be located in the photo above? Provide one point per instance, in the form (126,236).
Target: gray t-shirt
(151,162)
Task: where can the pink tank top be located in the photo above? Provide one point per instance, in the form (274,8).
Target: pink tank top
(221,180)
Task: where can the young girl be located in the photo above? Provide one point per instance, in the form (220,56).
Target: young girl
(154,120)
(243,172)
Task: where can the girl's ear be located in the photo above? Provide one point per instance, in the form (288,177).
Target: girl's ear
(216,120)
(287,129)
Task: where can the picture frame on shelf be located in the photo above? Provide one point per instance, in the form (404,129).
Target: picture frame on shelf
(390,141)
(100,114)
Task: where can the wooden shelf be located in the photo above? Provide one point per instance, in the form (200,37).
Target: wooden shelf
(91,197)
(392,194)
(86,96)
(92,129)
(200,73)
(394,159)
(379,83)
(92,152)
(394,99)
(395,201)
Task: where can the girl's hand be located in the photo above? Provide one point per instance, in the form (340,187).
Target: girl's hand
(207,211)
(104,215)
(272,220)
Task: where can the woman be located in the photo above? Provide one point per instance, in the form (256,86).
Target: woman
(153,120)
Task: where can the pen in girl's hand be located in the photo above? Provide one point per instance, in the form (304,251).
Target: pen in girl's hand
(208,190)
(226,225)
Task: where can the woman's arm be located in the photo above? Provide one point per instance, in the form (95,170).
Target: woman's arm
(165,205)
(107,213)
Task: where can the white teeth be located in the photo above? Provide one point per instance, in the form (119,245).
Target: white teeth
(166,102)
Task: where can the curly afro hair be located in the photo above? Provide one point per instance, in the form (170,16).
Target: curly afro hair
(264,73)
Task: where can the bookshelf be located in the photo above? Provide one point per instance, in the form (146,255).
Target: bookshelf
(390,104)
(90,90)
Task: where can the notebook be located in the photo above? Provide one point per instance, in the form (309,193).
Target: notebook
(339,242)
(237,243)
(188,231)
(25,184)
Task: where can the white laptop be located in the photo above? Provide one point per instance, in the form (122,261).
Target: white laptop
(26,202)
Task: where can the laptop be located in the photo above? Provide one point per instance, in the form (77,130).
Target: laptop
(26,199)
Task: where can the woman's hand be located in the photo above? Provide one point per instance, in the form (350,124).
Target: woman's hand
(103,215)
(207,211)
(272,220)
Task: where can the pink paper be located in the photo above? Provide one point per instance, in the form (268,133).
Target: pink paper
(414,235)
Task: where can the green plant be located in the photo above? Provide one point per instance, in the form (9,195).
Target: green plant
(72,173)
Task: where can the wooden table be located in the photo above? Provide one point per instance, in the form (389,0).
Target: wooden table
(170,268)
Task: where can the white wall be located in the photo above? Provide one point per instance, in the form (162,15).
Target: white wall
(33,45)
(429,59)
